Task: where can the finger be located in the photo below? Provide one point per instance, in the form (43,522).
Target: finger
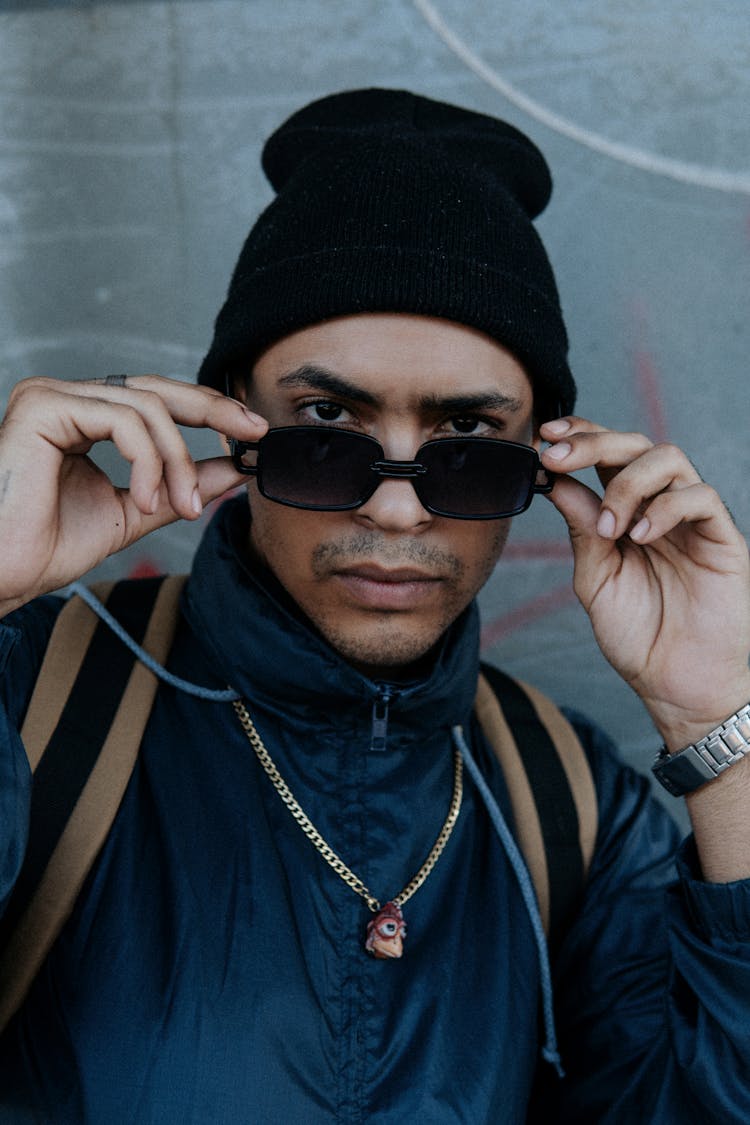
(202,407)
(178,467)
(558,428)
(595,557)
(162,404)
(697,504)
(64,424)
(216,476)
(187,404)
(606,451)
(660,469)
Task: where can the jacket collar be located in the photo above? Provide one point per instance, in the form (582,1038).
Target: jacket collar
(261,644)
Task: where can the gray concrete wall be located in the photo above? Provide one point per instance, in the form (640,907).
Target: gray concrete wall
(129,174)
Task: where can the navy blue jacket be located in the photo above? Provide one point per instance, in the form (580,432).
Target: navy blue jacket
(213,969)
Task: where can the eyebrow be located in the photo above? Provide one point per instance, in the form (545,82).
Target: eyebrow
(321,379)
(468,403)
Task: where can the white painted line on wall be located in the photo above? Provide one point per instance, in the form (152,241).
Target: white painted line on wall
(718,179)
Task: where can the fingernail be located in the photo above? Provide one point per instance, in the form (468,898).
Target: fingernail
(558,426)
(196,502)
(557,452)
(606,524)
(641,529)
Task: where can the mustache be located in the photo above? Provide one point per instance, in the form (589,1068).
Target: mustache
(375,548)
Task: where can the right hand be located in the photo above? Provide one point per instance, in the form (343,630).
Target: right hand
(60,515)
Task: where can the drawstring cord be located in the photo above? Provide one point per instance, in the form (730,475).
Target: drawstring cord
(225,695)
(550,1050)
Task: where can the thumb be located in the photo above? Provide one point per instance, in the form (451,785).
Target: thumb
(216,475)
(581,509)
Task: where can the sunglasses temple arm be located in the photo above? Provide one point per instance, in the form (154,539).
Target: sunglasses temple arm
(545,487)
(237,450)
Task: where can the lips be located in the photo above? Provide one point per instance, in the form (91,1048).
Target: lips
(376,587)
(374,573)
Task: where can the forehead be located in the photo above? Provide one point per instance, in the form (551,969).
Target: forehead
(394,356)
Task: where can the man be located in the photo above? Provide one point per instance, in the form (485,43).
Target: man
(214,967)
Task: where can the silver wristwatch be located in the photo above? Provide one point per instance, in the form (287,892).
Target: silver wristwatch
(704,760)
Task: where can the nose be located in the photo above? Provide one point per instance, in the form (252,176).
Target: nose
(394,506)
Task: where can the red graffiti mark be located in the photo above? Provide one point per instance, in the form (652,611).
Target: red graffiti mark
(540,606)
(145,569)
(649,392)
(537,549)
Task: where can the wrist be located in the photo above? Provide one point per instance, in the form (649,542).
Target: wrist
(725,746)
(681,726)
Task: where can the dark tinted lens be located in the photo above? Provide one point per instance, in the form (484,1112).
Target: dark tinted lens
(315,467)
(476,477)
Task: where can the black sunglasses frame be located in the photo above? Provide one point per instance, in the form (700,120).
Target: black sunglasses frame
(382,469)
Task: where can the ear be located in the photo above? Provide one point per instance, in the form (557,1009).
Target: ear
(535,438)
(237,386)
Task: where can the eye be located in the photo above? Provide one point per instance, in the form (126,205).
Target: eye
(388,929)
(472,425)
(324,411)
(465,425)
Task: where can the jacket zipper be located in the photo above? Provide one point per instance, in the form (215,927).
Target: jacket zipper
(379,731)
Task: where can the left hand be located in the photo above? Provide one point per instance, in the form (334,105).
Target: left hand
(662,572)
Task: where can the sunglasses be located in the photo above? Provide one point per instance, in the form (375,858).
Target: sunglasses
(330,470)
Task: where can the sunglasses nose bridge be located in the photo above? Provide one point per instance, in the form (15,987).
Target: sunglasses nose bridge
(392,506)
(400,470)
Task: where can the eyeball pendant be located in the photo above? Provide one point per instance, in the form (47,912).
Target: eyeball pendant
(386,933)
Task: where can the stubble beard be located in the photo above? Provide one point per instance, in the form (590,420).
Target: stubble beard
(393,645)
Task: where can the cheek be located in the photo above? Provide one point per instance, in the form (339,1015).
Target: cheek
(482,546)
(284,539)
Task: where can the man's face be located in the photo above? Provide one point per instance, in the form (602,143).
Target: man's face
(382,582)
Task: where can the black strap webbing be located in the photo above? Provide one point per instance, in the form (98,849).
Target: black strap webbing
(553,798)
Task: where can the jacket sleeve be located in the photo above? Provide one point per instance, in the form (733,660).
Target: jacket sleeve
(653,981)
(23,639)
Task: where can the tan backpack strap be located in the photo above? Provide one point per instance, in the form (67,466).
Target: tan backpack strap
(64,840)
(66,648)
(576,765)
(551,791)
(528,828)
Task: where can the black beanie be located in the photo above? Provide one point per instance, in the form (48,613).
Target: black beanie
(391,202)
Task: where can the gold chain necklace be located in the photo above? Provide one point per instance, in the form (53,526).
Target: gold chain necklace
(387,930)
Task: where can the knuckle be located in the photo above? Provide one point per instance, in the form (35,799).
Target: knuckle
(669,450)
(710,494)
(153,403)
(26,388)
(621,488)
(144,384)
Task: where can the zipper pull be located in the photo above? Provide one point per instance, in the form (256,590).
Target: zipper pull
(379,734)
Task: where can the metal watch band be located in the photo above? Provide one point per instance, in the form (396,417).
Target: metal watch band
(706,759)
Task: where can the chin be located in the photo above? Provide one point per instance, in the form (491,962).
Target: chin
(385,653)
